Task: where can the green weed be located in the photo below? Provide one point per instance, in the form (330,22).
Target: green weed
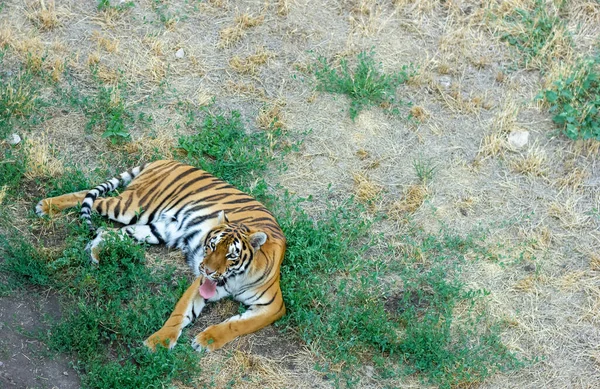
(224,148)
(575,100)
(104,5)
(536,34)
(365,86)
(424,169)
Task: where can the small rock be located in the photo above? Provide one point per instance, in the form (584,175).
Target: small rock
(65,373)
(445,81)
(180,53)
(518,139)
(1,363)
(14,139)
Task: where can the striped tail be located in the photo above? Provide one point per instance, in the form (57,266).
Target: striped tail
(122,180)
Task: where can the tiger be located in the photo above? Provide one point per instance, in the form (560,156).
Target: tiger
(232,243)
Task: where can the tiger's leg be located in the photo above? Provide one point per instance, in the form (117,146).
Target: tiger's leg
(257,316)
(187,309)
(57,204)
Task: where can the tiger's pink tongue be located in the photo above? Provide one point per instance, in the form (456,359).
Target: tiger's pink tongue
(208,288)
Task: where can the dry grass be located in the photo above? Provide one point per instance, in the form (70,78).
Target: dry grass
(411,201)
(3,190)
(246,89)
(533,163)
(232,34)
(144,148)
(251,63)
(43,14)
(110,45)
(42,161)
(419,113)
(569,213)
(271,117)
(365,189)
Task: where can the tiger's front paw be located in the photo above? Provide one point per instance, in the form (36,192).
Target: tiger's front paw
(166,339)
(43,208)
(208,340)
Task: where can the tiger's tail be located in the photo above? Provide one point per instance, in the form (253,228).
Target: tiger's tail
(122,180)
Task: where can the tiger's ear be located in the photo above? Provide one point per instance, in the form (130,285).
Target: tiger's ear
(257,239)
(222,218)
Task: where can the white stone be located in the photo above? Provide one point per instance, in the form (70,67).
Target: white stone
(518,139)
(14,139)
(180,53)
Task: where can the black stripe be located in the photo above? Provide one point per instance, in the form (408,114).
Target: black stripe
(269,303)
(247,199)
(156,233)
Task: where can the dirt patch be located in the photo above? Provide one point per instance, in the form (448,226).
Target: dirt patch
(25,362)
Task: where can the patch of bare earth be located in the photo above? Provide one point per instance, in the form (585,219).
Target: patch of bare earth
(540,199)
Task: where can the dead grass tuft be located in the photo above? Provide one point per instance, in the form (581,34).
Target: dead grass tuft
(110,45)
(232,34)
(246,89)
(283,7)
(573,179)
(413,198)
(107,75)
(93,58)
(594,261)
(492,145)
(41,160)
(6,36)
(365,189)
(419,113)
(3,193)
(57,69)
(203,98)
(146,147)
(532,164)
(529,283)
(45,17)
(155,44)
(251,63)
(569,214)
(270,117)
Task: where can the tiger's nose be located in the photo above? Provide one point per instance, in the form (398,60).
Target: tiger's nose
(208,272)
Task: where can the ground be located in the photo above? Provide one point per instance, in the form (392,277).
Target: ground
(538,202)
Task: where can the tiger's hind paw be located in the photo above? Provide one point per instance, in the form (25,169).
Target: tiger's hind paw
(93,247)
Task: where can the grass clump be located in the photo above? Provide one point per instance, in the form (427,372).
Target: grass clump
(537,34)
(19,100)
(365,86)
(341,304)
(107,310)
(449,348)
(424,169)
(575,100)
(222,147)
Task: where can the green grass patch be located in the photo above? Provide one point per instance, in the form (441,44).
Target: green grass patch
(366,85)
(223,147)
(536,33)
(19,100)
(108,310)
(575,100)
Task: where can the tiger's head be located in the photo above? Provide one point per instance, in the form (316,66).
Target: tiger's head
(228,250)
